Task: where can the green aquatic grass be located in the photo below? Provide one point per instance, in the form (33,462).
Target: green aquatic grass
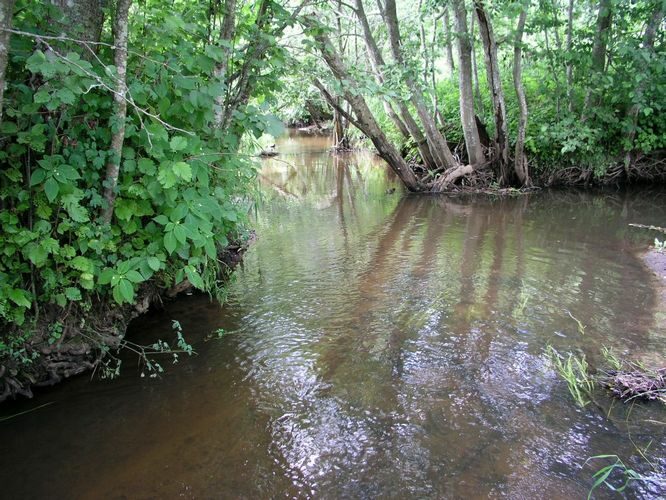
(601,477)
(575,372)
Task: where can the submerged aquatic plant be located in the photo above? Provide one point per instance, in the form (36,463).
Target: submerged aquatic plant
(575,372)
(602,476)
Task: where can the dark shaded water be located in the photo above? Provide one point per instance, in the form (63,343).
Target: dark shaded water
(379,345)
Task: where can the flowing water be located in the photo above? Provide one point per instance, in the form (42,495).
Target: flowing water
(378,345)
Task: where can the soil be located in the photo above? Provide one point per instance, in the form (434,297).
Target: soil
(81,348)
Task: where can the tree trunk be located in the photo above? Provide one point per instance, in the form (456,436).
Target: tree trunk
(449,42)
(570,96)
(470,131)
(6,14)
(601,36)
(220,71)
(520,165)
(117,122)
(648,47)
(497,93)
(364,121)
(604,17)
(378,65)
(478,102)
(436,140)
(83,21)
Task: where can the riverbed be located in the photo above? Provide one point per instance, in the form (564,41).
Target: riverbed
(376,344)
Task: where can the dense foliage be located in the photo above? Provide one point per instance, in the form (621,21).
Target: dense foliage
(592,72)
(180,195)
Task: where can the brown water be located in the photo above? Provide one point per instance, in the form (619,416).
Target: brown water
(379,345)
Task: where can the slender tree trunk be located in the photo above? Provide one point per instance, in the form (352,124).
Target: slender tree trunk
(220,71)
(570,95)
(604,17)
(496,91)
(378,65)
(6,14)
(449,42)
(436,140)
(364,120)
(478,102)
(520,165)
(470,130)
(553,68)
(117,123)
(648,47)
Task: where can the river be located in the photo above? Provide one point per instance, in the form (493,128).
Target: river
(378,345)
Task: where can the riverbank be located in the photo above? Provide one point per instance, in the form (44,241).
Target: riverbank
(78,340)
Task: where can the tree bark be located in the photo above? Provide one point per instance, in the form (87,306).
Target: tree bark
(570,96)
(378,65)
(478,102)
(83,21)
(470,130)
(496,91)
(648,46)
(604,17)
(117,122)
(6,14)
(520,165)
(220,71)
(449,42)
(364,121)
(436,140)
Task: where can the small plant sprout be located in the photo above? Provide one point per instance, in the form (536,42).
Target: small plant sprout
(659,246)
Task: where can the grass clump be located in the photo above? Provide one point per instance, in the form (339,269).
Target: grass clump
(575,372)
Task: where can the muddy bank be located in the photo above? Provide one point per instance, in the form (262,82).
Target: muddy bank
(72,341)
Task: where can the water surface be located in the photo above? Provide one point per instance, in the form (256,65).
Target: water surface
(378,345)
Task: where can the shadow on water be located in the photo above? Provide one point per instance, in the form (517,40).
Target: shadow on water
(379,345)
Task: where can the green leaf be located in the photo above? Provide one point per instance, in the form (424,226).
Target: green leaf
(51,189)
(81,263)
(183,170)
(8,127)
(73,293)
(37,254)
(66,96)
(170,242)
(180,233)
(126,290)
(166,177)
(194,277)
(37,177)
(154,263)
(19,297)
(106,275)
(146,166)
(134,277)
(178,143)
(42,96)
(87,281)
(161,219)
